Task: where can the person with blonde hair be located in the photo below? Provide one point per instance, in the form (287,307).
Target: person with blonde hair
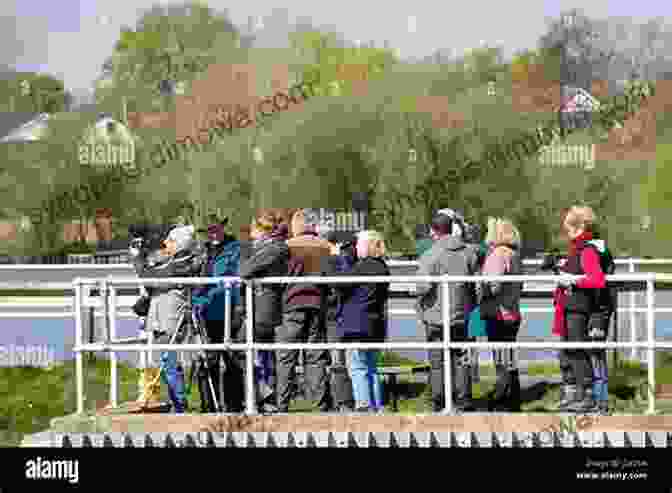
(500,309)
(583,309)
(364,319)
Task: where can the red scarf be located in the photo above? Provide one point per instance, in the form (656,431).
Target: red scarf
(578,241)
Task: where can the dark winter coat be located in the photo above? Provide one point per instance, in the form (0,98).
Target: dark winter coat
(269,257)
(364,311)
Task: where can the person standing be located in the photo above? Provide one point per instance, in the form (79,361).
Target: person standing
(168,304)
(341,260)
(579,310)
(500,308)
(210,303)
(269,257)
(449,255)
(365,319)
(304,317)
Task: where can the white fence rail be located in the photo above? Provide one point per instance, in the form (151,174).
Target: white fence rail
(109,288)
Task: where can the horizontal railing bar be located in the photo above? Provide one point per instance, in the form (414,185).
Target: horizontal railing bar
(642,277)
(395,345)
(390,263)
(37,285)
(36,314)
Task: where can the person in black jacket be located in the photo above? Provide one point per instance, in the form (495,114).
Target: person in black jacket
(341,260)
(365,319)
(269,257)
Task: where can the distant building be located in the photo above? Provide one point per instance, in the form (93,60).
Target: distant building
(23,127)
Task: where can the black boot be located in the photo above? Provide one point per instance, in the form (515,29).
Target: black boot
(514,391)
(463,391)
(584,402)
(506,396)
(341,388)
(498,396)
(567,397)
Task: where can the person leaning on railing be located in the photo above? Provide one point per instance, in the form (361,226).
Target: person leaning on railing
(269,257)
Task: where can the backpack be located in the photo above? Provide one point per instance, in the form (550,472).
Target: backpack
(605,302)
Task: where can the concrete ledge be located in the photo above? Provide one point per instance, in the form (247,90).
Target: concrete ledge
(492,423)
(329,439)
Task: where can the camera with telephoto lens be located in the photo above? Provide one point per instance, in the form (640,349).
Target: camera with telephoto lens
(147,238)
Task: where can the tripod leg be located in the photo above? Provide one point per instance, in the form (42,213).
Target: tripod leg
(222,368)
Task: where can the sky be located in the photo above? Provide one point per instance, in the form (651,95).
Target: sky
(71,38)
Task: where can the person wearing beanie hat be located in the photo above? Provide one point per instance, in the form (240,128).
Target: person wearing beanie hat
(450,255)
(304,312)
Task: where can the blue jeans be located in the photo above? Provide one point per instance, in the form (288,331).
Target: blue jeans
(173,375)
(366,386)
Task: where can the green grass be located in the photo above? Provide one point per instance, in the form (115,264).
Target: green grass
(31,397)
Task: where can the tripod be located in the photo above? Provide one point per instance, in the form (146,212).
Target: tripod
(194,331)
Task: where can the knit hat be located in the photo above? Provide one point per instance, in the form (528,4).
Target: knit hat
(216,232)
(183,236)
(448,221)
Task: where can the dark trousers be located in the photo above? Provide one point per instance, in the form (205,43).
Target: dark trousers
(504,331)
(225,368)
(265,366)
(340,383)
(461,366)
(506,395)
(575,364)
(304,325)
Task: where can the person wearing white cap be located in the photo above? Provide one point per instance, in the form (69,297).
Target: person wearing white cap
(168,305)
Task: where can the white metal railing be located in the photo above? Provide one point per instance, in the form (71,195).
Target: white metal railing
(108,289)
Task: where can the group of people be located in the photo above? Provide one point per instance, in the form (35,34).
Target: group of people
(296,243)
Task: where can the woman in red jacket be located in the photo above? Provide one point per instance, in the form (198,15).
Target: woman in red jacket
(574,304)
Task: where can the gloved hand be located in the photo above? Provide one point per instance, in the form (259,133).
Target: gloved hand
(201,310)
(565,283)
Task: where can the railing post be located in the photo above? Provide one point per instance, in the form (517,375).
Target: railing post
(105,299)
(79,341)
(251,405)
(633,316)
(227,312)
(447,363)
(651,339)
(142,363)
(114,382)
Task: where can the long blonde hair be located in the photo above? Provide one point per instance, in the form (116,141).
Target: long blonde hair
(376,242)
(502,231)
